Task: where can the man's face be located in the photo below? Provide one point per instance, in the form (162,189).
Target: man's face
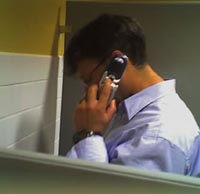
(90,71)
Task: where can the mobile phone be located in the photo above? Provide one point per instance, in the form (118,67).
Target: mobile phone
(114,72)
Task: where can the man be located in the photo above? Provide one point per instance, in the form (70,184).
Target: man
(146,125)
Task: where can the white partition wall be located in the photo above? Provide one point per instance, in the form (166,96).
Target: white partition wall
(30,101)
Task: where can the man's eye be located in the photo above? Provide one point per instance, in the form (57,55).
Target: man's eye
(86,82)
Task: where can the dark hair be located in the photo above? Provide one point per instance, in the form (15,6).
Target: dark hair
(103,35)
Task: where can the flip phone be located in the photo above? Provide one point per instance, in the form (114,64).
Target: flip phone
(114,72)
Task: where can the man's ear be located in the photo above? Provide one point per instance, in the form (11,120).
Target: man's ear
(117,52)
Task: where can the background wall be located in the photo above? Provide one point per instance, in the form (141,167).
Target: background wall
(172,32)
(31,62)
(31,26)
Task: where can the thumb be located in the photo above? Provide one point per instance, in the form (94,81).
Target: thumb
(111,109)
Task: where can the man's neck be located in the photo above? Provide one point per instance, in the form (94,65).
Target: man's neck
(145,78)
(137,80)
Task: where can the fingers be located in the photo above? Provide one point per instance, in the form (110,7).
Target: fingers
(92,93)
(111,109)
(105,92)
(93,113)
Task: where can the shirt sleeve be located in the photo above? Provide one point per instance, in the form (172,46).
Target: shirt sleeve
(91,148)
(151,154)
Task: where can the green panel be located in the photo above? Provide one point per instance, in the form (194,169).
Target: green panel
(33,173)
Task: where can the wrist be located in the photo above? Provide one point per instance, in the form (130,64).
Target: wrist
(80,135)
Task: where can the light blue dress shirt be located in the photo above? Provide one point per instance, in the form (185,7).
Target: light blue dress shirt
(153,130)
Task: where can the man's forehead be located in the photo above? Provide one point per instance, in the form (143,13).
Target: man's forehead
(86,61)
(85,66)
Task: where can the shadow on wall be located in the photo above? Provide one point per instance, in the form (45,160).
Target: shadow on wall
(47,136)
(44,139)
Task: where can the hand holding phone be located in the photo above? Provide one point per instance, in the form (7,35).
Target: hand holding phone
(95,114)
(114,72)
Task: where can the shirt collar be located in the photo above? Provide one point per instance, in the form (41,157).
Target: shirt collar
(138,101)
